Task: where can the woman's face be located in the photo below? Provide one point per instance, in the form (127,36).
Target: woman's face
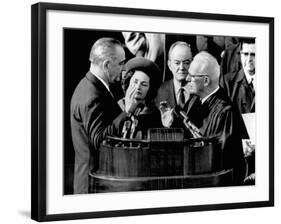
(139,85)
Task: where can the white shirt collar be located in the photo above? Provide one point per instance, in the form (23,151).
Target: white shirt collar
(250,78)
(102,81)
(206,97)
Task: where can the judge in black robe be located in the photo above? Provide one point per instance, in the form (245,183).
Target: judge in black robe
(217,116)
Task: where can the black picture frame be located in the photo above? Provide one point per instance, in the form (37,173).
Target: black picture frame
(39,110)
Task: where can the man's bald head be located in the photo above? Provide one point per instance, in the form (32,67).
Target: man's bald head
(203,74)
(103,49)
(107,58)
(205,64)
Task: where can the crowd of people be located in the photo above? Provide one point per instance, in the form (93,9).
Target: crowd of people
(213,85)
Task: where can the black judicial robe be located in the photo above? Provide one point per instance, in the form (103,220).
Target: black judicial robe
(217,117)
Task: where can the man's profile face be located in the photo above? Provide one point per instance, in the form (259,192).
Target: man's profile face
(117,65)
(195,78)
(179,62)
(248,58)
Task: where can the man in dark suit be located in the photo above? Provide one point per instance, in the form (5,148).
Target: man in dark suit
(94,110)
(175,91)
(240,85)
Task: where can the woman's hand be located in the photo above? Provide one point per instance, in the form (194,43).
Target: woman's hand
(130,101)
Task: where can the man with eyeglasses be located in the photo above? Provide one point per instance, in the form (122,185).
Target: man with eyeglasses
(240,85)
(94,109)
(175,93)
(217,116)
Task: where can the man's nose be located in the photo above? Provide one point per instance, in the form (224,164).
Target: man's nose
(123,74)
(123,68)
(181,65)
(118,78)
(188,78)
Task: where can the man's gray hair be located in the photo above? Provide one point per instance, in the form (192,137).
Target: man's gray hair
(208,65)
(103,48)
(180,43)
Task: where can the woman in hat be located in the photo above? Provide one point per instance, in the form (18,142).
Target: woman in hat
(140,83)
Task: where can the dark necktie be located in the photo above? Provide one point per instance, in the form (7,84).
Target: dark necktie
(181,98)
(251,85)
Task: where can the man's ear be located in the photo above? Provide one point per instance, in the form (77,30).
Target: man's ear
(105,65)
(206,81)
(169,64)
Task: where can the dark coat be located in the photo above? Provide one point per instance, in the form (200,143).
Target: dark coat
(239,91)
(94,115)
(220,119)
(166,92)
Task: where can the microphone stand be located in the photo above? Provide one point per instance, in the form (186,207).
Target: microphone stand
(190,126)
(130,125)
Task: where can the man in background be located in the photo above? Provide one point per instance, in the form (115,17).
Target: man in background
(240,85)
(174,92)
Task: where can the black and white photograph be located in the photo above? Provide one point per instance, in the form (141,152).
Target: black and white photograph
(156,111)
(140,112)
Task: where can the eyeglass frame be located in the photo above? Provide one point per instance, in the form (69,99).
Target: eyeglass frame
(194,76)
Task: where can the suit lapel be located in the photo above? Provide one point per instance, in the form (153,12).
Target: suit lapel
(171,94)
(237,83)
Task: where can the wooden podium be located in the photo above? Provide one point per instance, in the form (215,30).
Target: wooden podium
(163,161)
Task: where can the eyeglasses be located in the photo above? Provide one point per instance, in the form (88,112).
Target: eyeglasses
(247,54)
(195,76)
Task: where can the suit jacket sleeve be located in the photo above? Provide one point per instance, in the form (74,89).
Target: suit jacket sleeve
(99,123)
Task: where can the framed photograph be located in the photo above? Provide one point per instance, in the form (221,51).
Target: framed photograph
(90,160)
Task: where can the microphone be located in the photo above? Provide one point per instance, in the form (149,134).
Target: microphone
(126,128)
(138,109)
(134,119)
(189,125)
(130,125)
